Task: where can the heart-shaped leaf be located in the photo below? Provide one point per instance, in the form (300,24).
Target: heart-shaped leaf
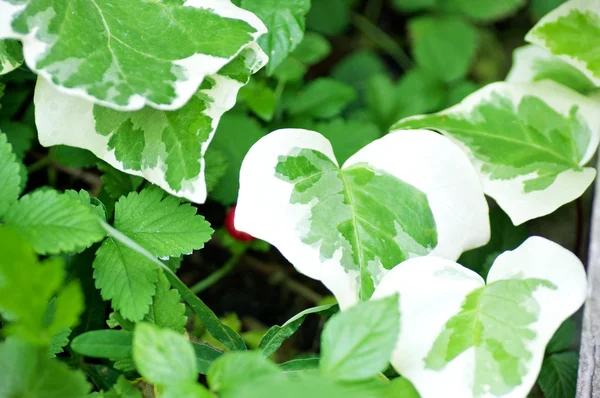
(529,143)
(571,32)
(460,337)
(408,194)
(165,147)
(133,53)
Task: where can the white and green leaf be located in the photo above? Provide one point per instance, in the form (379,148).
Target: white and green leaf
(461,337)
(528,142)
(572,32)
(179,43)
(11,56)
(408,194)
(165,147)
(532,63)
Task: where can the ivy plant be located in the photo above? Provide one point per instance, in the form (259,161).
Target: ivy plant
(267,198)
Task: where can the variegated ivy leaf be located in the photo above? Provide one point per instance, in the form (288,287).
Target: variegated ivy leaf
(572,32)
(408,194)
(11,56)
(529,143)
(165,147)
(461,337)
(132,53)
(532,63)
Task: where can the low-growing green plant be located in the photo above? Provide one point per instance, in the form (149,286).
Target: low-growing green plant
(152,107)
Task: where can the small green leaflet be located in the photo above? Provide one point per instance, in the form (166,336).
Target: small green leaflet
(483,11)
(532,63)
(348,226)
(27,287)
(572,32)
(493,335)
(11,56)
(237,368)
(9,176)
(165,147)
(529,143)
(558,377)
(175,42)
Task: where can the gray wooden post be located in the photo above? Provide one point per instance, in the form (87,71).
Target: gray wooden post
(588,379)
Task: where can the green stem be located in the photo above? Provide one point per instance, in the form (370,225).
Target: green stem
(219,274)
(383,40)
(38,165)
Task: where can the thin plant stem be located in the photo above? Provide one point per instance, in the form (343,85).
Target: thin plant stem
(219,274)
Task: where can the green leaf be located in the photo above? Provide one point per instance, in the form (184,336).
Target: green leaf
(484,11)
(239,368)
(347,137)
(9,176)
(571,32)
(162,356)
(165,147)
(125,277)
(414,5)
(300,365)
(558,377)
(216,167)
(58,341)
(260,98)
(313,48)
(175,61)
(20,135)
(26,289)
(54,222)
(73,157)
(539,8)
(117,183)
(285,23)
(235,135)
(84,198)
(161,224)
(205,356)
(322,98)
(357,344)
(443,45)
(112,344)
(11,56)
(401,387)
(214,326)
(563,338)
(329,17)
(167,310)
(25,371)
(276,335)
(528,143)
(123,388)
(357,68)
(348,226)
(532,63)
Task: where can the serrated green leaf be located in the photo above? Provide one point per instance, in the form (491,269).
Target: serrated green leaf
(125,277)
(570,32)
(523,140)
(113,344)
(558,377)
(83,196)
(161,224)
(20,135)
(443,45)
(117,183)
(25,371)
(9,176)
(357,344)
(285,21)
(11,56)
(58,341)
(322,98)
(484,11)
(165,147)
(167,310)
(175,61)
(162,356)
(26,289)
(563,338)
(238,368)
(235,135)
(54,222)
(276,335)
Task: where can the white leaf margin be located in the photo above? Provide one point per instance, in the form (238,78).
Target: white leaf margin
(62,119)
(592,6)
(421,158)
(522,70)
(433,289)
(510,194)
(195,67)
